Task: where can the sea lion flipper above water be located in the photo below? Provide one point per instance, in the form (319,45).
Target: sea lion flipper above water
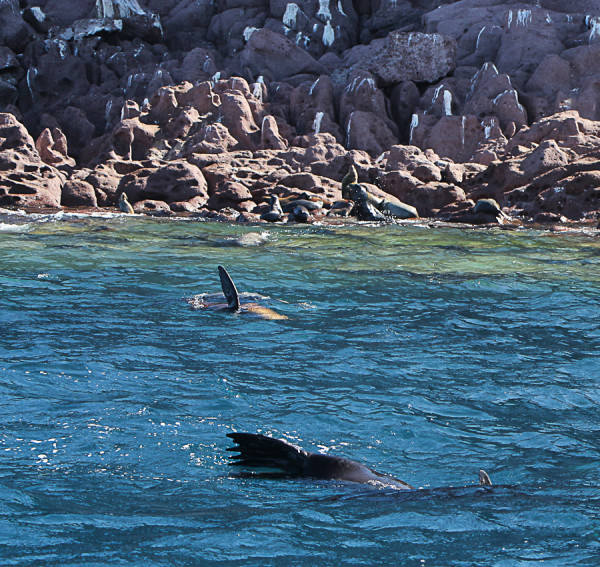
(257,450)
(484,478)
(261,451)
(229,290)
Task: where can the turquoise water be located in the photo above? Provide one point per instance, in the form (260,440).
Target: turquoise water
(426,353)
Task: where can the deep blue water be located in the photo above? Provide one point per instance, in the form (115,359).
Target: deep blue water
(426,353)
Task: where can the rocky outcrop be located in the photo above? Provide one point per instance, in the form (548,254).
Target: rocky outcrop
(198,106)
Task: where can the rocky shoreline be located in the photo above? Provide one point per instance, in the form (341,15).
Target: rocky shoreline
(219,109)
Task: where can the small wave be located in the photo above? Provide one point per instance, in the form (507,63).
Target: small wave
(8,227)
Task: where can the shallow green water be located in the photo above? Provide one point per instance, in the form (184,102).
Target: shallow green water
(427,353)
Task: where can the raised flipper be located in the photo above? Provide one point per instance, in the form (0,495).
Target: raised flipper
(262,451)
(229,290)
(484,479)
(265,452)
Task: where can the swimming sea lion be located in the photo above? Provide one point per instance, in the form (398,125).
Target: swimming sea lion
(260,451)
(233,301)
(125,205)
(275,212)
(484,478)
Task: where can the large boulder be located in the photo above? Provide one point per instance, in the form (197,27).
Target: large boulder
(25,180)
(271,54)
(176,181)
(414,56)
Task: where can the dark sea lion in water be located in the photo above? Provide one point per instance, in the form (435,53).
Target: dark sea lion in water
(233,301)
(255,450)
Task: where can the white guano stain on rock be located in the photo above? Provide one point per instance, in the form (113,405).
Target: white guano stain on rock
(414,122)
(447,103)
(328,34)
(593,24)
(348,129)
(324,12)
(31,74)
(107,110)
(289,17)
(357,83)
(523,18)
(257,91)
(312,88)
(248,31)
(317,122)
(38,14)
(341,9)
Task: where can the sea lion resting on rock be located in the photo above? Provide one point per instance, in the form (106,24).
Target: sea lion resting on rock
(233,301)
(125,205)
(275,212)
(266,452)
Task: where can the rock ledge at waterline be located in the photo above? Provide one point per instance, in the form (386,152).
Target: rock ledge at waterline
(208,108)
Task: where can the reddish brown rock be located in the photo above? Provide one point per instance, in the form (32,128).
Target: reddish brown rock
(78,193)
(276,56)
(25,180)
(52,147)
(153,207)
(230,194)
(175,181)
(270,139)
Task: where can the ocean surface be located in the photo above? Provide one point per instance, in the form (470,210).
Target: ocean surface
(424,352)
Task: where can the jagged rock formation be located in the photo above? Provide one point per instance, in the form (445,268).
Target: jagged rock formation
(438,104)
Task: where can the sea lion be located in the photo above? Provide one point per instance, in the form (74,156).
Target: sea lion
(364,208)
(484,479)
(490,207)
(275,212)
(341,208)
(261,451)
(125,205)
(349,179)
(255,450)
(310,202)
(399,210)
(300,214)
(233,301)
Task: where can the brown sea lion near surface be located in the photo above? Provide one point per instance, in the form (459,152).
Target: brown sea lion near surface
(234,304)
